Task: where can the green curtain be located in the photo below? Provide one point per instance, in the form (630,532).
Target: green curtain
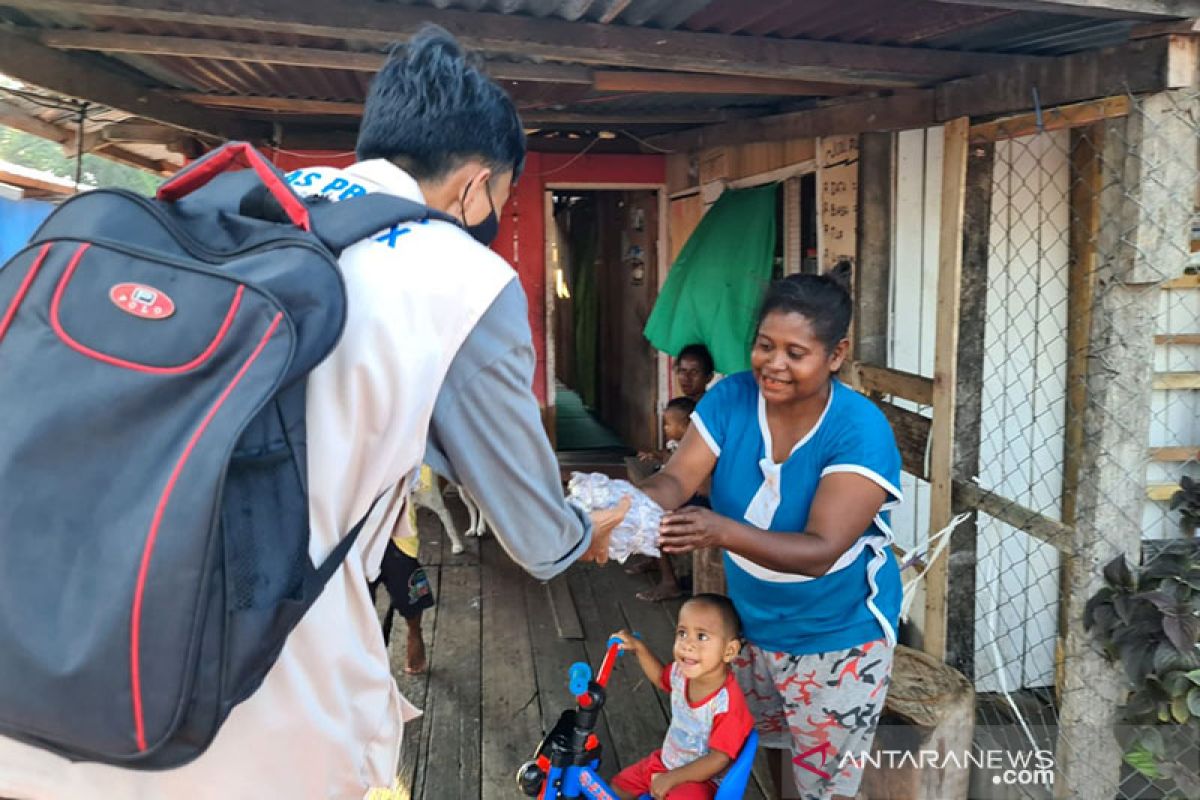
(714,288)
(585,301)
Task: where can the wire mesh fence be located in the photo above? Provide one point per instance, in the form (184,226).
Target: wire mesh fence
(1089,421)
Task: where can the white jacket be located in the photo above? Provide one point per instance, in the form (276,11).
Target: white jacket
(327,721)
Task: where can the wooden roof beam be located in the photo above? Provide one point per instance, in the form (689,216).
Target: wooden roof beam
(274,105)
(18,119)
(1142,66)
(1120,9)
(111,136)
(180,47)
(913,109)
(132,159)
(558,40)
(67,75)
(338,108)
(601,80)
(692,83)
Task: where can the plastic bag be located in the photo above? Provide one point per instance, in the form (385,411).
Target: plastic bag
(638,532)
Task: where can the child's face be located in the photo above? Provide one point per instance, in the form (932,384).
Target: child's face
(675,425)
(702,644)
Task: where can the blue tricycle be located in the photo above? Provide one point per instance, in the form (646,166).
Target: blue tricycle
(566,762)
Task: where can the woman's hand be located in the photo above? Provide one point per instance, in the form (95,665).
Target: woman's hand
(604,522)
(691,528)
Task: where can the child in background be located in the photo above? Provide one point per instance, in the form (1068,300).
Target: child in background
(677,417)
(709,718)
(407,585)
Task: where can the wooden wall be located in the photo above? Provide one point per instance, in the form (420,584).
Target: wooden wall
(627,391)
(691,170)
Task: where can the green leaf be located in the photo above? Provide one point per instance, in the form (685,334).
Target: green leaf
(1179,710)
(1117,573)
(1138,662)
(1099,611)
(1193,701)
(1161,600)
(1194,676)
(1151,739)
(1167,659)
(1142,706)
(1176,683)
(1182,630)
(1123,607)
(1143,761)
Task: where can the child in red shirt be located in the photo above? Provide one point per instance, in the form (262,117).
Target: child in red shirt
(709,718)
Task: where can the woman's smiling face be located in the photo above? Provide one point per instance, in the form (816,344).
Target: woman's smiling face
(789,361)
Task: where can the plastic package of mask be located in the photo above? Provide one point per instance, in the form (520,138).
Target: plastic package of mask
(638,532)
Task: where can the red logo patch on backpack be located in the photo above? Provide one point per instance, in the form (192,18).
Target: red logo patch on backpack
(141,300)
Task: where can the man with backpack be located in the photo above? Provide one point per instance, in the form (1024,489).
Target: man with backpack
(435,363)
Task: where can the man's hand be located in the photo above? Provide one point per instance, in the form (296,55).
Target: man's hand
(604,522)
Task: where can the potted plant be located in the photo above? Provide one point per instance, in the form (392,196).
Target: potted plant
(1187,502)
(1149,621)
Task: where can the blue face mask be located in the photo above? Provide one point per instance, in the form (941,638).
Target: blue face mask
(483,232)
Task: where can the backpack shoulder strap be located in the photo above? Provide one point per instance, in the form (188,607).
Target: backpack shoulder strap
(340,225)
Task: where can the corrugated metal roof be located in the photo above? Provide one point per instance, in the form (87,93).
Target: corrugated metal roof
(1043,35)
(894,22)
(897,23)
(885,22)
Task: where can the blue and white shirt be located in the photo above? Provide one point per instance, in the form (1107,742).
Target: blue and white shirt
(721,721)
(858,599)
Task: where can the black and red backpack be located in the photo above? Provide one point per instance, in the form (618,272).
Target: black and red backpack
(153,502)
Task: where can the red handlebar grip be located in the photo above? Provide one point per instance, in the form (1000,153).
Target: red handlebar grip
(610,659)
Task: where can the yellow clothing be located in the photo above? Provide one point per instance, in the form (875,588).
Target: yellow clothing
(409,545)
(405,536)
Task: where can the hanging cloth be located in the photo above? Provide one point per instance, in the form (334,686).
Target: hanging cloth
(713,291)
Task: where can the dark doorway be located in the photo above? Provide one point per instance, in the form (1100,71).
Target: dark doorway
(603,269)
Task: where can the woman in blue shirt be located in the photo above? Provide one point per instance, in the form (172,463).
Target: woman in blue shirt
(804,471)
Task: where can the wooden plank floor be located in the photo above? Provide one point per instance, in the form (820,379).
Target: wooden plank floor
(498,668)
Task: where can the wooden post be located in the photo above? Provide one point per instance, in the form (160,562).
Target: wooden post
(1148,181)
(1087,145)
(945,371)
(972,310)
(873,269)
(930,708)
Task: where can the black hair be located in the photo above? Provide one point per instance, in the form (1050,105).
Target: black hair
(431,107)
(685,404)
(701,354)
(824,300)
(723,606)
